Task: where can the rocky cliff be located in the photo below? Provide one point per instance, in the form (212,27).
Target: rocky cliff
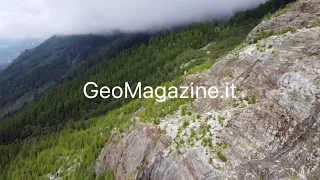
(270,131)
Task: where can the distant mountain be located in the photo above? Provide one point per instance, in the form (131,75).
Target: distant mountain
(2,66)
(12,48)
(57,60)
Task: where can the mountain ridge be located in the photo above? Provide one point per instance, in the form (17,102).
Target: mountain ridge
(52,141)
(57,60)
(10,49)
(271,131)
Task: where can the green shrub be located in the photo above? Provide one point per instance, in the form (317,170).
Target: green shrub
(222,157)
(185,123)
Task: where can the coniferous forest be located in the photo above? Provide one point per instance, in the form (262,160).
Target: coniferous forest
(63,129)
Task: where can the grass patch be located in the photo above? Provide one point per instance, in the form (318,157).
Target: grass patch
(251,99)
(185,123)
(201,68)
(222,157)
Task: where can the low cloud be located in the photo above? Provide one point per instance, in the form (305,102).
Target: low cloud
(43,18)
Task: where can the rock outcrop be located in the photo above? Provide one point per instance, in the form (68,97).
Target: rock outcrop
(125,155)
(300,14)
(270,131)
(276,135)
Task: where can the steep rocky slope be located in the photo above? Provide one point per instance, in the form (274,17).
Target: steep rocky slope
(304,13)
(270,131)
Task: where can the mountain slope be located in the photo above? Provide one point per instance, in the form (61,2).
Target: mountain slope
(57,60)
(270,131)
(61,135)
(68,103)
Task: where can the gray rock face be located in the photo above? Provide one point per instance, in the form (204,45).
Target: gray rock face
(126,155)
(302,13)
(276,137)
(270,131)
(190,165)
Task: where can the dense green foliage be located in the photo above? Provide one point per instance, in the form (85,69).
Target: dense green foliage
(59,59)
(156,62)
(64,129)
(36,157)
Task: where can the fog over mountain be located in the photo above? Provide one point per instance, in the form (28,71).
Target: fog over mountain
(43,18)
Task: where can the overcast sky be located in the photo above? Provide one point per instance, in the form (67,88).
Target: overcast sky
(43,18)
